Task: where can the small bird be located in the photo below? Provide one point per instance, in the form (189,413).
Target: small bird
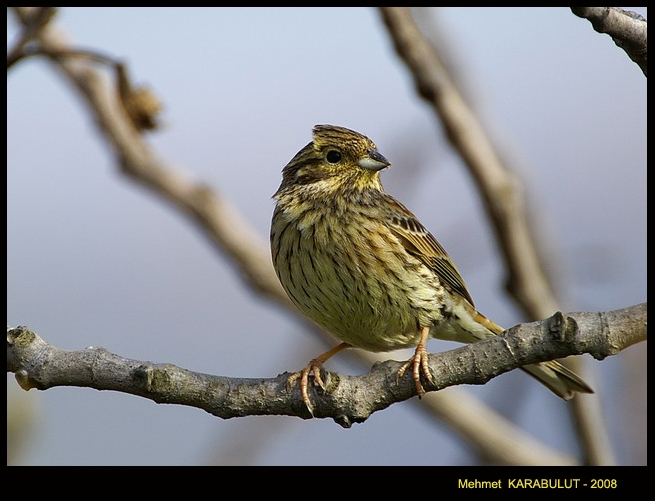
(361,265)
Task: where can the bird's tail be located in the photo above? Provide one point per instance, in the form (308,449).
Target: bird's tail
(562,381)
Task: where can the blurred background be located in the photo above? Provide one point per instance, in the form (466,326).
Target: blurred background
(94,260)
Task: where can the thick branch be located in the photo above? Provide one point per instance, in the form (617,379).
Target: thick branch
(628,30)
(348,399)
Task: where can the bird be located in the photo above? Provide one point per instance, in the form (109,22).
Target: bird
(361,266)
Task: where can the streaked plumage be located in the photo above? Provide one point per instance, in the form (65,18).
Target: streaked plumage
(361,265)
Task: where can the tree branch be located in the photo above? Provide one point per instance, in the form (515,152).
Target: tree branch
(214,215)
(628,30)
(34,21)
(500,189)
(348,399)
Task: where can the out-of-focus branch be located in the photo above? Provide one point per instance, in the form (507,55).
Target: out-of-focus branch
(628,30)
(348,399)
(34,21)
(216,217)
(500,189)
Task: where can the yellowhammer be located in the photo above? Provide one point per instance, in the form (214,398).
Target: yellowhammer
(359,264)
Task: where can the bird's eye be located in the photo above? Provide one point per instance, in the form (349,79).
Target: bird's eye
(333,156)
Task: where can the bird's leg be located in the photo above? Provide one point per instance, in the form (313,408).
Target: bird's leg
(314,367)
(419,362)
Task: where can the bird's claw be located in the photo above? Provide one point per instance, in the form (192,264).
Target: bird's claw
(419,363)
(303,375)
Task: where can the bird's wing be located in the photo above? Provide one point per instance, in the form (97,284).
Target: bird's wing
(420,243)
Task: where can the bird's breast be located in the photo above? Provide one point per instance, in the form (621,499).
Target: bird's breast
(353,278)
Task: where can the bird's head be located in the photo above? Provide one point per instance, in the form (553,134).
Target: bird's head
(337,159)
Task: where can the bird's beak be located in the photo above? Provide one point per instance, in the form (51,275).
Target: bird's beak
(373,161)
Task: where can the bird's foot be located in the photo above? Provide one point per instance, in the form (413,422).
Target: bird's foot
(418,363)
